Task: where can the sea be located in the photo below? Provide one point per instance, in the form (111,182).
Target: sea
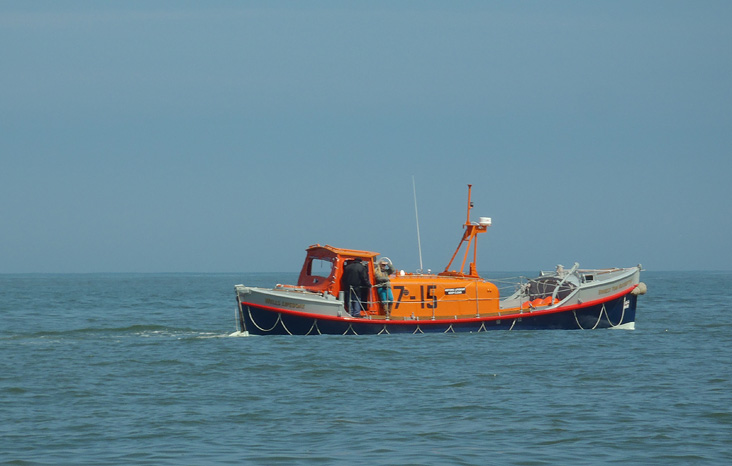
(150,369)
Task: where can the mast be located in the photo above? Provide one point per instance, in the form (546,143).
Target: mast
(416,215)
(470,237)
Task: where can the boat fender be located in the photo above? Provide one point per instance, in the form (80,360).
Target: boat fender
(640,289)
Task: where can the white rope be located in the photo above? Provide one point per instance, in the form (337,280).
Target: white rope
(315,322)
(315,325)
(283,324)
(599,318)
(608,316)
(249,310)
(419,330)
(577,320)
(622,315)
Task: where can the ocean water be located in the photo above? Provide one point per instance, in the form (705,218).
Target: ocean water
(148,369)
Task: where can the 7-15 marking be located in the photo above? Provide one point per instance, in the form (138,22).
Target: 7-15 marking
(426,292)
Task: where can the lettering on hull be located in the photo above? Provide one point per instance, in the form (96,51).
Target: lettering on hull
(613,288)
(284,304)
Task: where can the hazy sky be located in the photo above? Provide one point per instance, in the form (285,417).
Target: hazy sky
(228,136)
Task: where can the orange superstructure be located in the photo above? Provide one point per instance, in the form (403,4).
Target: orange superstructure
(444,295)
(437,296)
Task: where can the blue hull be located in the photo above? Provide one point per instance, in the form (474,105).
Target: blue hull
(259,320)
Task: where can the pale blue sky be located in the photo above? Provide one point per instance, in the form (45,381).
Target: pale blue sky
(229,136)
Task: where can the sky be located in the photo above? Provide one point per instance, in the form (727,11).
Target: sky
(228,136)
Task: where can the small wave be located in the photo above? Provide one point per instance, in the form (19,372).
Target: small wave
(208,335)
(140,331)
(205,336)
(133,329)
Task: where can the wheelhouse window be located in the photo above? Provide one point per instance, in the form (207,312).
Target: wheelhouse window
(320,268)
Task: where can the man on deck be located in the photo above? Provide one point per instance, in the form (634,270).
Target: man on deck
(355,283)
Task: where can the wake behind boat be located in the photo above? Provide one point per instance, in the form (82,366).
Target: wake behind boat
(338,292)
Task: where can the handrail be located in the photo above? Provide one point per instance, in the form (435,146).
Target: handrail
(571,272)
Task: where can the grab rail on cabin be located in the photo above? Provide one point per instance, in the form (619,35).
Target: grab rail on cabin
(373,308)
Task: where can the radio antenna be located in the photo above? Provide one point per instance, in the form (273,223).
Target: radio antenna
(416,215)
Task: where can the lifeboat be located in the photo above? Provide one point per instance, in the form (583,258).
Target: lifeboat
(459,300)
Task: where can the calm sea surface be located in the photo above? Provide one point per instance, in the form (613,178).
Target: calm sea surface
(147,369)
